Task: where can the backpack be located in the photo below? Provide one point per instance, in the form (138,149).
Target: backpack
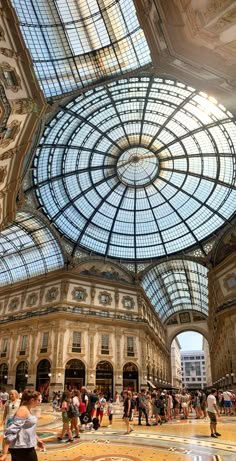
(133,404)
(85,418)
(96,424)
(72,411)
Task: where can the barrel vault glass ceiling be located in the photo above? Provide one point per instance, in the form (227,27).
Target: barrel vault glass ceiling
(75,43)
(27,248)
(136,168)
(176,286)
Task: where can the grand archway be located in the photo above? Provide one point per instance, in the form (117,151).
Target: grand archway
(3,375)
(104,378)
(21,376)
(130,377)
(43,378)
(74,374)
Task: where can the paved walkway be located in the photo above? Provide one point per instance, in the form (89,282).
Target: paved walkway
(181,440)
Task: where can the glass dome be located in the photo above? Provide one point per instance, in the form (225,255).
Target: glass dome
(141,168)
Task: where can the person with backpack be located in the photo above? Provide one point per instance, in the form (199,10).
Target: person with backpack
(142,408)
(92,400)
(74,407)
(66,417)
(156,408)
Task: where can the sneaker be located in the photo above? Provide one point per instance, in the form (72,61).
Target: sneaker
(76,436)
(217,433)
(59,438)
(69,440)
(214,435)
(148,424)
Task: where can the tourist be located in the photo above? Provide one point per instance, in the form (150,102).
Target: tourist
(212,412)
(10,408)
(20,437)
(76,397)
(127,411)
(66,419)
(110,412)
(142,408)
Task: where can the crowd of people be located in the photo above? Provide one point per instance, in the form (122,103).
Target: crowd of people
(81,410)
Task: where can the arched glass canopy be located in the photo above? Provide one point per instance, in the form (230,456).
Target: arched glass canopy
(175,286)
(27,248)
(141,168)
(74,43)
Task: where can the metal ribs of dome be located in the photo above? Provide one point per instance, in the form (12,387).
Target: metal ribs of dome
(141,168)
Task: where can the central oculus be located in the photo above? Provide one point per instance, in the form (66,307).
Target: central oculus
(137,167)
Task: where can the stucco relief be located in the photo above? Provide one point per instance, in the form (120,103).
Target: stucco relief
(7,52)
(14,126)
(22,106)
(214,8)
(15,85)
(8,154)
(2,33)
(3,173)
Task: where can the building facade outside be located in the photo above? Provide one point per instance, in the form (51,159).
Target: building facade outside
(176,373)
(205,348)
(193,369)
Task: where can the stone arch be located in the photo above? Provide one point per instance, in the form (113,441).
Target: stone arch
(75,371)
(105,377)
(174,331)
(43,378)
(21,375)
(131,376)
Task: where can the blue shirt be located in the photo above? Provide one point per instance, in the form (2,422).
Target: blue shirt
(21,433)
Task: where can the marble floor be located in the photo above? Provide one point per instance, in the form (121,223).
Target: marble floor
(181,440)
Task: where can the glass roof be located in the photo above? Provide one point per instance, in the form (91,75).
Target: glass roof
(27,248)
(74,43)
(175,286)
(141,168)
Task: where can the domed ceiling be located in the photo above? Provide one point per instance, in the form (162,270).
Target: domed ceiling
(140,168)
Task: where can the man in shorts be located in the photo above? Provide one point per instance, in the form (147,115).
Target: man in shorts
(212,412)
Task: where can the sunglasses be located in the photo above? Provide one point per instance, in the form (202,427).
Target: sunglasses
(13,407)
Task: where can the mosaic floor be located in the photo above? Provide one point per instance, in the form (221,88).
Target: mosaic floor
(174,441)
